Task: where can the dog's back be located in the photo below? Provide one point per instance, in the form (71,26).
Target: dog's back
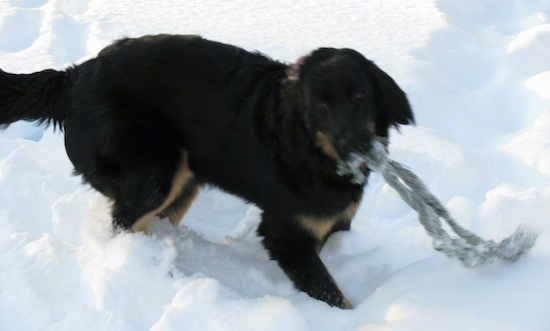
(152,97)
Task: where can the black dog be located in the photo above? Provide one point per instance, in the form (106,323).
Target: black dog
(151,119)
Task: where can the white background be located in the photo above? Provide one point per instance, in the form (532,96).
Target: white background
(477,73)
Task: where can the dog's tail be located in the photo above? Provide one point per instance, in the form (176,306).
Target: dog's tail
(40,96)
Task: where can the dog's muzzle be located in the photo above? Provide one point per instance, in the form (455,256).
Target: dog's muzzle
(359,164)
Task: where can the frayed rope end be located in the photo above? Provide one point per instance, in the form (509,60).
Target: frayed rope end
(518,243)
(486,252)
(470,249)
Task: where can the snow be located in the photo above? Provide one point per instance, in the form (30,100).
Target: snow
(478,76)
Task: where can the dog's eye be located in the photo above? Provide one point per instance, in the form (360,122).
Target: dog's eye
(321,105)
(322,108)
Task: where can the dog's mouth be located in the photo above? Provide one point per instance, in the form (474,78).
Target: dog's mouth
(352,160)
(353,163)
(357,165)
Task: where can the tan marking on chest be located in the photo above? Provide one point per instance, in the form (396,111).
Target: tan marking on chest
(320,227)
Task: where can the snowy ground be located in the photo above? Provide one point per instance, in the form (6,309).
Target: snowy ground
(478,75)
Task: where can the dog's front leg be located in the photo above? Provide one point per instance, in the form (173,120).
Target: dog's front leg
(296,252)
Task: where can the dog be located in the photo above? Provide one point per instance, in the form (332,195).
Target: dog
(151,119)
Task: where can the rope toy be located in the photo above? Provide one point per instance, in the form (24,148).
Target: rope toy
(467,247)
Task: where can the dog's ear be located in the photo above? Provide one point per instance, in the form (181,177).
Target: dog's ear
(393,105)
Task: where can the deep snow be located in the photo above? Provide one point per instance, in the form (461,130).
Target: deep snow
(478,76)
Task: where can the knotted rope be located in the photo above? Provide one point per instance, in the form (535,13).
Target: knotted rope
(467,247)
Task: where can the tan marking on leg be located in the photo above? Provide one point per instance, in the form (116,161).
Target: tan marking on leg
(319,227)
(183,176)
(323,142)
(177,215)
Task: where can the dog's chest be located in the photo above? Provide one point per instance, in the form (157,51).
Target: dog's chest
(321,226)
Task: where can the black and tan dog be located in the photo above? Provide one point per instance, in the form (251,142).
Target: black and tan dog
(150,120)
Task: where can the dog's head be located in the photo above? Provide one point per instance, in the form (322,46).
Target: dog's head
(346,100)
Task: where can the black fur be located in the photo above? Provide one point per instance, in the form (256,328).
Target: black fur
(150,119)
(48,91)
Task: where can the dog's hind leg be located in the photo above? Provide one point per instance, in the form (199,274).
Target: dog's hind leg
(142,195)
